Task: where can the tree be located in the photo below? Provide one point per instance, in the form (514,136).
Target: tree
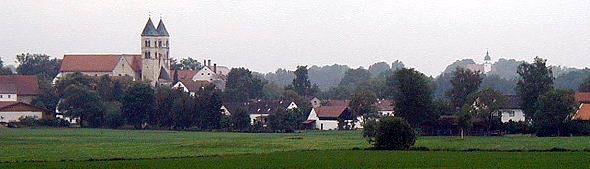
(104,87)
(301,83)
(241,86)
(240,119)
(464,82)
(48,97)
(353,77)
(38,64)
(363,105)
(535,80)
(190,64)
(283,120)
(4,70)
(585,86)
(112,115)
(394,133)
(412,96)
(465,119)
(208,105)
(119,90)
(379,68)
(553,111)
(184,110)
(80,102)
(485,105)
(139,105)
(76,78)
(165,100)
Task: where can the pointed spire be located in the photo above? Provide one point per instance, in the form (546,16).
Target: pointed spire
(162,29)
(487,57)
(149,29)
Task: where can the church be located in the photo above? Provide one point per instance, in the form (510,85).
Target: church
(484,68)
(151,64)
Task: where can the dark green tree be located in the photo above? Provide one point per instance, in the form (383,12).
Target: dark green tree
(104,87)
(535,80)
(48,97)
(4,70)
(362,105)
(284,120)
(241,86)
(208,106)
(301,83)
(394,133)
(80,102)
(554,110)
(464,82)
(485,105)
(585,86)
(139,105)
(76,78)
(240,119)
(119,90)
(165,99)
(38,64)
(412,95)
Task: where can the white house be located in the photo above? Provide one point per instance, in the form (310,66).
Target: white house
(190,86)
(20,88)
(326,117)
(511,109)
(260,110)
(12,111)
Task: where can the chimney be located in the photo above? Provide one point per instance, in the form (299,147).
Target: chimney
(215,68)
(209,62)
(204,62)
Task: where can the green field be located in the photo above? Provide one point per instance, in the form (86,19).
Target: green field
(216,148)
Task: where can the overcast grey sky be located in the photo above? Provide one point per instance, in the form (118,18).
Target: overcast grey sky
(264,35)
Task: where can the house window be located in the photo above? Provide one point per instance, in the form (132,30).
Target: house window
(159,43)
(1,96)
(119,74)
(166,43)
(511,113)
(9,96)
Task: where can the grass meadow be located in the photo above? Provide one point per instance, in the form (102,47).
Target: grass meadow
(104,148)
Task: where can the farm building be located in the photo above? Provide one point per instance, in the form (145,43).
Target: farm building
(12,111)
(583,113)
(19,88)
(326,117)
(511,109)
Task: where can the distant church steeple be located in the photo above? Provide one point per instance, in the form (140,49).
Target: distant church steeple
(155,48)
(487,63)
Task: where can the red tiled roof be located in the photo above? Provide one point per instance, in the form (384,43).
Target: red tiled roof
(97,62)
(6,104)
(583,97)
(337,103)
(7,88)
(384,105)
(330,111)
(194,86)
(12,106)
(184,74)
(583,113)
(24,84)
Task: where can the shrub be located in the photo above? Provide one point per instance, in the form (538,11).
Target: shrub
(32,122)
(370,128)
(520,127)
(394,133)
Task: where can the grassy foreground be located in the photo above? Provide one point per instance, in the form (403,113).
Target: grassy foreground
(345,159)
(85,144)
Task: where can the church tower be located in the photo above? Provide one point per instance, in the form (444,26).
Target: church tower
(487,63)
(155,50)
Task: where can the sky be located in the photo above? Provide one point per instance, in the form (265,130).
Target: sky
(264,35)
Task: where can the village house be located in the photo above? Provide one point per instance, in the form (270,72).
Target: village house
(19,88)
(259,110)
(327,117)
(12,111)
(151,64)
(583,112)
(511,109)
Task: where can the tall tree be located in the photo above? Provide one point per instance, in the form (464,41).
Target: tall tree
(535,80)
(38,64)
(165,100)
(139,105)
(48,97)
(363,105)
(104,87)
(76,78)
(585,86)
(80,102)
(553,111)
(208,106)
(301,83)
(412,95)
(241,85)
(464,82)
(240,119)
(484,105)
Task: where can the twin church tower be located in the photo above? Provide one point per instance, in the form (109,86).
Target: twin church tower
(155,49)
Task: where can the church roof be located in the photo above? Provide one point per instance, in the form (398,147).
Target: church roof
(149,29)
(161,30)
(97,62)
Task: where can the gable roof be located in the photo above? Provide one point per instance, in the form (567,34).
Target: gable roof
(330,111)
(19,106)
(583,113)
(149,29)
(512,102)
(194,86)
(7,88)
(185,74)
(337,103)
(23,84)
(267,107)
(583,97)
(161,30)
(384,105)
(97,62)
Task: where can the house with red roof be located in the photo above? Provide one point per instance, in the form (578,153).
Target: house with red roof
(13,111)
(583,112)
(328,117)
(19,88)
